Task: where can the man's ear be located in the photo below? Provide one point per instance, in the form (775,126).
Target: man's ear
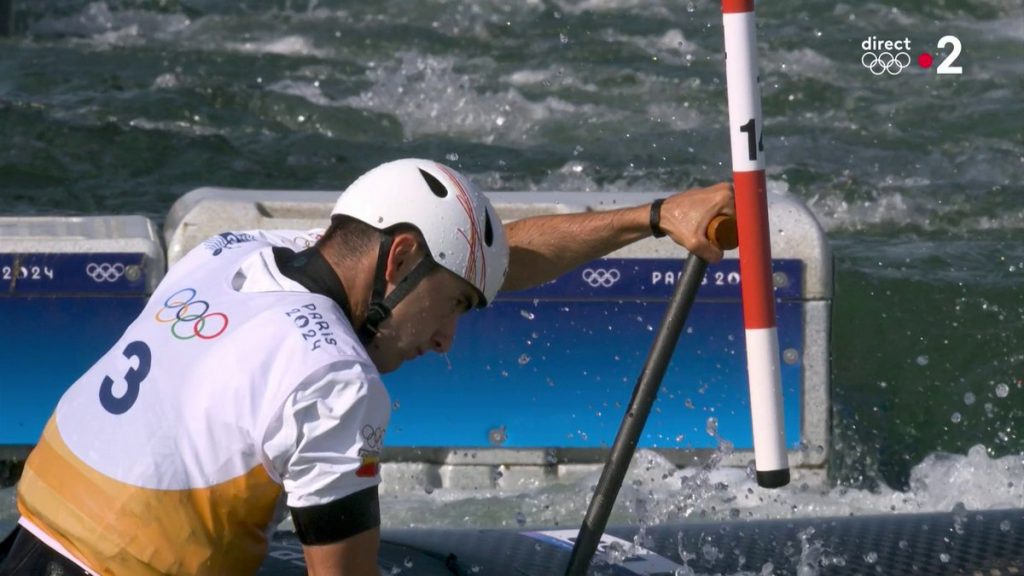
(404,255)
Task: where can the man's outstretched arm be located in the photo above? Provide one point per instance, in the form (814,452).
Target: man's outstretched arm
(545,247)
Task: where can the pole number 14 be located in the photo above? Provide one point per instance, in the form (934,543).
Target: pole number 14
(755,141)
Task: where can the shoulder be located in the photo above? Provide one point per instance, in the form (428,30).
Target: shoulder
(311,323)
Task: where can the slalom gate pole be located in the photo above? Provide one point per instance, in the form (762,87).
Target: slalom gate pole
(745,134)
(722,232)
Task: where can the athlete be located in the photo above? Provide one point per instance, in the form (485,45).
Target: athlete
(250,384)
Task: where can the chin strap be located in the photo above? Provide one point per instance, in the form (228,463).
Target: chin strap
(311,270)
(381,306)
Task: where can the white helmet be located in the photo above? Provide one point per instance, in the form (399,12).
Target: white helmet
(461,228)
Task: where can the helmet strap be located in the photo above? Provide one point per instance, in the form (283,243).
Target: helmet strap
(381,306)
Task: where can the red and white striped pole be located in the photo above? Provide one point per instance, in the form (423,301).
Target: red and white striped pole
(762,337)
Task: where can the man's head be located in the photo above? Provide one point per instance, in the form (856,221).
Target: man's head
(442,251)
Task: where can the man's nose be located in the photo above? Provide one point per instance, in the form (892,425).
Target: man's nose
(445,335)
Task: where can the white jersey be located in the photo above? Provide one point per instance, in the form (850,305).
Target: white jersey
(169,455)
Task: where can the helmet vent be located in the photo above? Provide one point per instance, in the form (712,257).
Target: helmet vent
(488,231)
(435,185)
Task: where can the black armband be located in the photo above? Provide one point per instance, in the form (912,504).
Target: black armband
(337,520)
(655,218)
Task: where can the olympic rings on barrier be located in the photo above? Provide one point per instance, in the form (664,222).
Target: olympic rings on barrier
(601,277)
(104,271)
(185,312)
(885,62)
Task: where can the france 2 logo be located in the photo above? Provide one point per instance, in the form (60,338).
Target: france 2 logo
(892,57)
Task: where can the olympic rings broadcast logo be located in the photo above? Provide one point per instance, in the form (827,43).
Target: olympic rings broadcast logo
(104,271)
(601,277)
(885,62)
(193,314)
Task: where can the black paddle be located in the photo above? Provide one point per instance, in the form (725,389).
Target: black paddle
(721,232)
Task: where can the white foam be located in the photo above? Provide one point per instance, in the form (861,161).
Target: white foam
(105,27)
(429,96)
(291,45)
(309,91)
(671,47)
(802,63)
(655,492)
(634,7)
(836,213)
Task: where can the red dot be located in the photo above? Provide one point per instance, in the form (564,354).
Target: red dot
(924,60)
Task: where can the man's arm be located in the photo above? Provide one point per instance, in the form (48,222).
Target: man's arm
(353,556)
(543,248)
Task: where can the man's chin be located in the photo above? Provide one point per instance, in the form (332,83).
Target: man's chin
(391,364)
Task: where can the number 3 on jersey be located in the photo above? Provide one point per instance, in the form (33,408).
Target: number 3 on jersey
(133,378)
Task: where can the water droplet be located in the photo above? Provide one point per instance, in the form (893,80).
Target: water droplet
(524,359)
(969,398)
(452,156)
(922,360)
(955,418)
(301,118)
(710,552)
(396,405)
(527,314)
(944,557)
(428,489)
(1002,390)
(791,356)
(408,562)
(497,436)
(563,38)
(904,544)
(1004,525)
(871,557)
(520,519)
(712,426)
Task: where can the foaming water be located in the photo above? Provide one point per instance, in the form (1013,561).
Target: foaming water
(656,492)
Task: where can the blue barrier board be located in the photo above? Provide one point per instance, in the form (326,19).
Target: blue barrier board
(549,367)
(556,365)
(50,342)
(81,273)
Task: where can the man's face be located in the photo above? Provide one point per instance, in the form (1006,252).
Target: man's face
(424,321)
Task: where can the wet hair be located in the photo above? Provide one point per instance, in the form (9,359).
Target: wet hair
(349,238)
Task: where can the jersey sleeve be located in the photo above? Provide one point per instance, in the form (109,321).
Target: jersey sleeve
(325,441)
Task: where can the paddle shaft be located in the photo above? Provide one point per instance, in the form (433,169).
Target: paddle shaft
(644,395)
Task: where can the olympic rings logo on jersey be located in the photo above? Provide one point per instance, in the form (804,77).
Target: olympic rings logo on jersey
(191,317)
(884,62)
(600,277)
(374,436)
(104,271)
